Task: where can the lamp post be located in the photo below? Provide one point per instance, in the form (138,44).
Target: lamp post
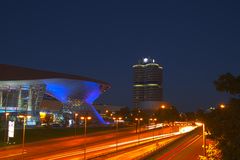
(153,120)
(75,116)
(85,133)
(6,114)
(204,140)
(138,127)
(204,136)
(116,121)
(6,127)
(23,134)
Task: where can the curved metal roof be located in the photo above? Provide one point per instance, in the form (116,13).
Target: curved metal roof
(11,72)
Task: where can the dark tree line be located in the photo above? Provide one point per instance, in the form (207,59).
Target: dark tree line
(224,123)
(163,115)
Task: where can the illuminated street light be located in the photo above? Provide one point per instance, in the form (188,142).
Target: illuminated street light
(153,120)
(6,126)
(149,121)
(163,106)
(24,128)
(212,108)
(138,127)
(75,116)
(117,120)
(145,60)
(85,133)
(222,106)
(204,138)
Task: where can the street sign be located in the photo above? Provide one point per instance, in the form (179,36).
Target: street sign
(10,129)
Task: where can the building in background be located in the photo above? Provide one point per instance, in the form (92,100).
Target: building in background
(24,91)
(147,84)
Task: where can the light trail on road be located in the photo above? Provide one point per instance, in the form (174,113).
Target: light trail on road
(169,155)
(188,148)
(136,153)
(104,148)
(100,149)
(97,145)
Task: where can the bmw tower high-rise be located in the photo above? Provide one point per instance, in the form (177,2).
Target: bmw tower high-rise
(147,82)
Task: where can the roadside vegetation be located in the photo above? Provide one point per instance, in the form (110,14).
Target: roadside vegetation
(223,122)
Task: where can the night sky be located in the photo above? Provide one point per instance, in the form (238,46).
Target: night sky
(195,42)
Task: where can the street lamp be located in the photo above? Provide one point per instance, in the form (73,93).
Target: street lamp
(6,126)
(85,133)
(138,127)
(117,120)
(153,120)
(24,128)
(204,138)
(75,116)
(163,106)
(222,106)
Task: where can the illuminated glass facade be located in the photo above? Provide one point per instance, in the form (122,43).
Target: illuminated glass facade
(147,81)
(23,89)
(21,96)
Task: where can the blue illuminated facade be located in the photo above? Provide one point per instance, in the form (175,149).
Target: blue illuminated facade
(76,93)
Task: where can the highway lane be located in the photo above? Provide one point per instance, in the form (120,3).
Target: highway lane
(58,144)
(188,149)
(53,147)
(190,152)
(144,150)
(109,146)
(139,151)
(98,149)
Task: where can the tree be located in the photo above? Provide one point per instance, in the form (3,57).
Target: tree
(229,84)
(189,116)
(212,153)
(224,123)
(168,114)
(125,113)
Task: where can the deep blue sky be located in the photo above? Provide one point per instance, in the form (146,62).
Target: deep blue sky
(195,41)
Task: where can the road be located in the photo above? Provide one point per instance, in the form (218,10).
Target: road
(57,145)
(141,152)
(129,144)
(187,149)
(138,152)
(73,146)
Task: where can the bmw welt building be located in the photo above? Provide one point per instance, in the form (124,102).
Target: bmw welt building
(22,91)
